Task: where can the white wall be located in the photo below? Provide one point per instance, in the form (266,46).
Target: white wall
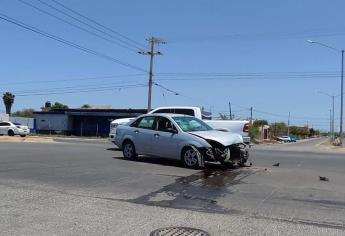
(23,120)
(52,122)
(4,117)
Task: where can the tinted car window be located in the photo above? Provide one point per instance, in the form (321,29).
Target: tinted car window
(189,112)
(4,124)
(163,111)
(163,124)
(146,122)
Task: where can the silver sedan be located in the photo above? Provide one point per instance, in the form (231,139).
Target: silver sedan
(181,137)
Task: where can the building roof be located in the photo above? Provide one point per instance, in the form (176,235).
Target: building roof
(94,112)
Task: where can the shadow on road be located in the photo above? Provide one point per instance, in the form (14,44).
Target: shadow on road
(155,160)
(114,149)
(171,162)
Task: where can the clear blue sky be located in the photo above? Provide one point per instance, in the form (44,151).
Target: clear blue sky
(223,36)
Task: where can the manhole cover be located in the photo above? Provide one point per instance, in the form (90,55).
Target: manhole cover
(179,231)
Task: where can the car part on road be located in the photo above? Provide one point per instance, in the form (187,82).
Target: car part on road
(128,150)
(322,178)
(169,231)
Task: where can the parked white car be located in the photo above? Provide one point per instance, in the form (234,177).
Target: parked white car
(11,129)
(180,137)
(114,124)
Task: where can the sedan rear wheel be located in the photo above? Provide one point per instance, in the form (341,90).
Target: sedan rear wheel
(190,157)
(128,151)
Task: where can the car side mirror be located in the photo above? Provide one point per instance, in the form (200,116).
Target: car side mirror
(171,130)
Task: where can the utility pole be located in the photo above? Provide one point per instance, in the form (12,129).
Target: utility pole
(251,117)
(330,126)
(342,97)
(152,41)
(230,110)
(332,129)
(288,128)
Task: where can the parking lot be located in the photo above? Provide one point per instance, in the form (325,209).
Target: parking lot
(77,188)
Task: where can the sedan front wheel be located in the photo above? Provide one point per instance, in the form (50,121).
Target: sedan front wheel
(191,157)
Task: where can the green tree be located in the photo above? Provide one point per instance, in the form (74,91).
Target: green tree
(254,132)
(24,113)
(47,105)
(259,123)
(85,106)
(278,129)
(8,99)
(313,132)
(299,131)
(58,105)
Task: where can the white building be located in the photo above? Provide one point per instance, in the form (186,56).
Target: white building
(4,117)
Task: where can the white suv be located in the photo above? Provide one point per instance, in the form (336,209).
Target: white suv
(12,129)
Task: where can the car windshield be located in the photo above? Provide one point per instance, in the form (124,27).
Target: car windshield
(17,124)
(190,124)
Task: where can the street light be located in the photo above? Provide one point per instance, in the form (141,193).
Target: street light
(332,114)
(341,84)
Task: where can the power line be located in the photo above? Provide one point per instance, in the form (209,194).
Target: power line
(298,73)
(89,25)
(101,89)
(167,89)
(66,42)
(77,26)
(246,76)
(259,36)
(124,83)
(292,117)
(73,79)
(99,24)
(125,75)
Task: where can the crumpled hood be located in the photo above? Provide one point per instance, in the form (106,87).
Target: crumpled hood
(224,138)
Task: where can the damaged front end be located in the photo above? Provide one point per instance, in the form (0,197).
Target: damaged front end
(232,154)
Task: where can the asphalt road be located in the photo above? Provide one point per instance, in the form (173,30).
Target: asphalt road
(88,189)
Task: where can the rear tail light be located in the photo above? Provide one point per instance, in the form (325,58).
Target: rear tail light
(246,128)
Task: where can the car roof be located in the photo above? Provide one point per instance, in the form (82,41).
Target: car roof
(171,115)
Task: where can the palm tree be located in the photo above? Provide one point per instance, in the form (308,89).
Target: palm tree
(8,99)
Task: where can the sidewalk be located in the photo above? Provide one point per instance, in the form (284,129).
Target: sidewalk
(49,139)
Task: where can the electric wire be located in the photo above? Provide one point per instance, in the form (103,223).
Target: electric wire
(73,79)
(66,42)
(101,89)
(77,26)
(89,25)
(99,24)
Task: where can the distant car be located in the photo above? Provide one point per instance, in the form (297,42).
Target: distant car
(284,139)
(180,137)
(11,129)
(293,138)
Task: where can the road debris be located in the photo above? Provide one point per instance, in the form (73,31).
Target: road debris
(322,178)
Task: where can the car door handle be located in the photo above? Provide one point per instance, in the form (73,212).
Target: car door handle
(136,131)
(156,135)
